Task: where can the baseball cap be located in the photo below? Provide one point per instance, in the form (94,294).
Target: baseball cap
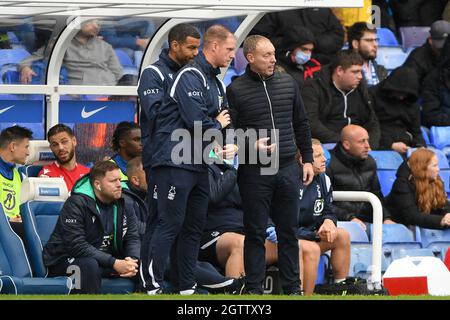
(439,31)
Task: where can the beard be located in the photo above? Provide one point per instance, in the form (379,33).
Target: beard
(368,55)
(69,158)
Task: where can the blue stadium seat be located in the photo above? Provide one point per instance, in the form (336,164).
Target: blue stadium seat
(430,236)
(387,37)
(442,159)
(16,273)
(426,135)
(445,176)
(229,76)
(39,218)
(413,36)
(327,155)
(386,159)
(357,234)
(387,179)
(12,56)
(30,171)
(124,58)
(399,253)
(440,137)
(322,269)
(391,57)
(361,261)
(329,146)
(240,63)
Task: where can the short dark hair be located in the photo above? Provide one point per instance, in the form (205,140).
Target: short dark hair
(100,169)
(14,133)
(58,129)
(122,130)
(346,59)
(181,31)
(356,32)
(133,165)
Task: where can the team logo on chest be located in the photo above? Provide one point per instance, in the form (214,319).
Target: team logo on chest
(155,192)
(300,194)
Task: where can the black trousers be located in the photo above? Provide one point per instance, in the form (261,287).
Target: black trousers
(276,196)
(87,274)
(182,203)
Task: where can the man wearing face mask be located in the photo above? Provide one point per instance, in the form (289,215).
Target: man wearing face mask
(295,57)
(394,102)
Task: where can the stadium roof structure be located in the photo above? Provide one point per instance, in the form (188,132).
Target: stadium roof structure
(181,9)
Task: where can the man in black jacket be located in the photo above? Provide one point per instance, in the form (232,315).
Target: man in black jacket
(265,100)
(337,97)
(94,233)
(351,168)
(322,22)
(423,59)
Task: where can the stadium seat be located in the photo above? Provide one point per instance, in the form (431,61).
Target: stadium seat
(442,159)
(425,134)
(329,146)
(361,261)
(240,63)
(357,234)
(386,159)
(387,179)
(12,56)
(399,253)
(229,76)
(322,270)
(387,38)
(440,137)
(391,57)
(40,153)
(430,236)
(30,171)
(445,176)
(40,214)
(16,273)
(327,155)
(413,36)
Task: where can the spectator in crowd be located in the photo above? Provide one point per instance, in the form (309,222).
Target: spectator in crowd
(126,143)
(63,145)
(14,143)
(418,197)
(88,60)
(266,99)
(351,168)
(423,59)
(362,38)
(394,102)
(326,28)
(296,55)
(94,232)
(129,34)
(416,12)
(436,92)
(317,231)
(337,97)
(135,199)
(196,96)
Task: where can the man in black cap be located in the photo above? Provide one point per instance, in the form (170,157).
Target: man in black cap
(296,55)
(425,58)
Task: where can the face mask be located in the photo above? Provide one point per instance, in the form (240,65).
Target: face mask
(301,57)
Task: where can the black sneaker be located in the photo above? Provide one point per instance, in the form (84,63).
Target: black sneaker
(254,291)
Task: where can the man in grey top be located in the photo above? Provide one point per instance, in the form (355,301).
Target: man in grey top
(89,60)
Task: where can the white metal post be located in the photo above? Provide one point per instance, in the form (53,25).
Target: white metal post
(377,227)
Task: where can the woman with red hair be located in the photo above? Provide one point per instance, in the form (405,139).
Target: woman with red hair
(418,197)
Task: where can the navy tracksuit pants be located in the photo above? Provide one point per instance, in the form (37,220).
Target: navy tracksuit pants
(182,203)
(276,196)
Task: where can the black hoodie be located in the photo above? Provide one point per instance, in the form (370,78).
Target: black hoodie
(399,119)
(402,202)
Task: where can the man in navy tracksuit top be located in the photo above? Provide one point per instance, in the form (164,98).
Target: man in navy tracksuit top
(265,99)
(182,185)
(154,84)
